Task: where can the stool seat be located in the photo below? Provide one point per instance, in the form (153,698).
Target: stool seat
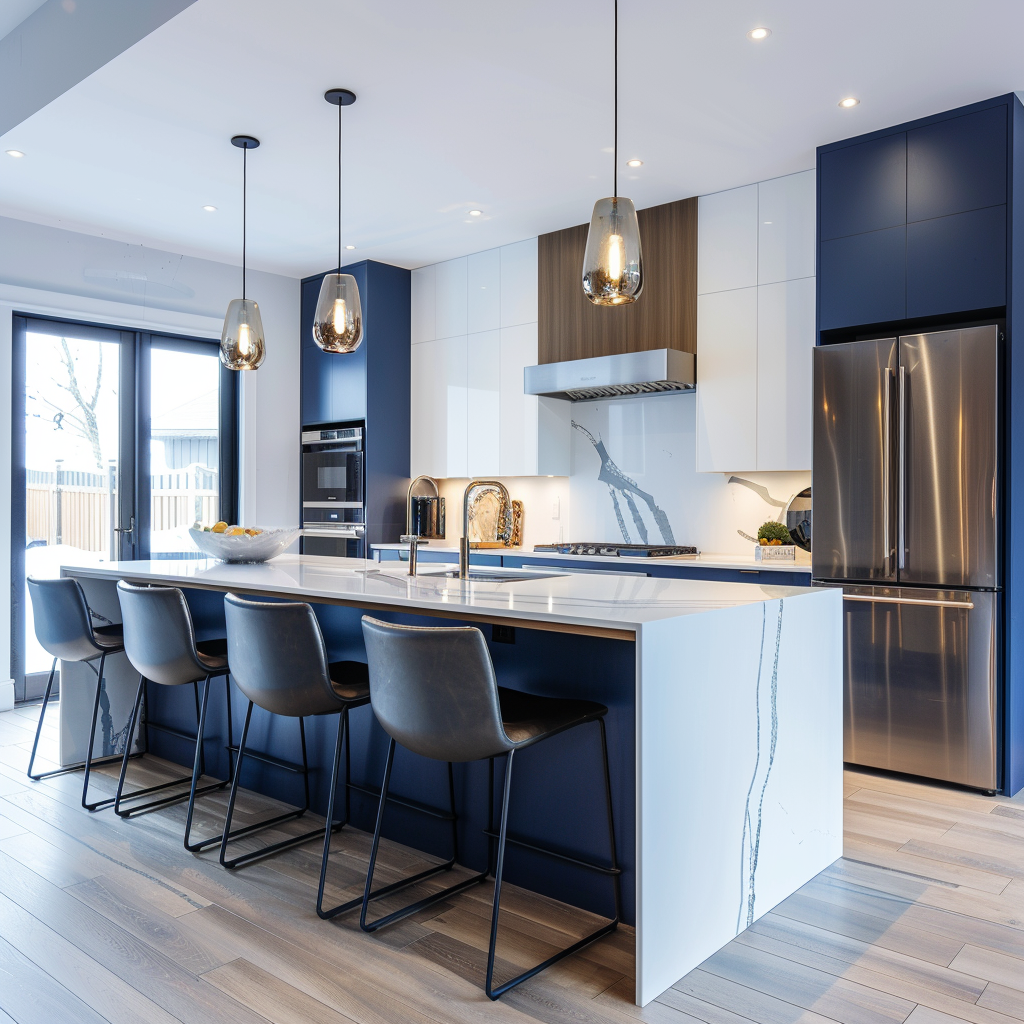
(350,680)
(213,655)
(527,718)
(110,638)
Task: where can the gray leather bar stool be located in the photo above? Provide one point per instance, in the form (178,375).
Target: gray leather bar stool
(434,691)
(160,642)
(279,662)
(63,626)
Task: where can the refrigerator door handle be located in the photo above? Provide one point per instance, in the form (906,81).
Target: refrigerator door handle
(901,534)
(887,471)
(929,602)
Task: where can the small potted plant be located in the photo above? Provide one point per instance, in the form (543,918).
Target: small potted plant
(774,544)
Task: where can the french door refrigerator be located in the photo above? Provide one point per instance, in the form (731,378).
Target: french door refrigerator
(906,490)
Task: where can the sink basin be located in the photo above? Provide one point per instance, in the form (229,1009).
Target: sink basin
(495,576)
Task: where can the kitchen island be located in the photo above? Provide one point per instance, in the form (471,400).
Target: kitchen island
(725,729)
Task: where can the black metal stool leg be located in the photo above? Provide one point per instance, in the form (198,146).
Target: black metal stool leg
(97,804)
(197,772)
(328,832)
(285,844)
(39,731)
(427,901)
(492,992)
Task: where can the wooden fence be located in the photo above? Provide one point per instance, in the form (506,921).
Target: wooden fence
(84,516)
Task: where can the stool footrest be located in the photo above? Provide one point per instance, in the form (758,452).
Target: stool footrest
(288,766)
(191,737)
(285,844)
(164,801)
(427,901)
(412,805)
(548,852)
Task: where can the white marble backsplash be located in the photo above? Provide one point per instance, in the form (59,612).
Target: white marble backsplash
(648,482)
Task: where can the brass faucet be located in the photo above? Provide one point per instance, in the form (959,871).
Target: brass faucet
(506,528)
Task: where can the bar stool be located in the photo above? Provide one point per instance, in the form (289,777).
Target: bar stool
(63,626)
(279,661)
(160,642)
(434,691)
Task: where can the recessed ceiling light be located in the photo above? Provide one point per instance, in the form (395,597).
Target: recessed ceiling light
(210,209)
(634,163)
(349,246)
(16,153)
(849,101)
(757,34)
(475,213)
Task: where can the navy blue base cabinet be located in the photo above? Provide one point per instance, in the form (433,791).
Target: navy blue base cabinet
(918,227)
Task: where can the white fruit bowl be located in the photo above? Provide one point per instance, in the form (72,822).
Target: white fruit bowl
(243,548)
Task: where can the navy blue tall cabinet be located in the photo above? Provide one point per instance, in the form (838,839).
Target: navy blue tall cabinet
(370,385)
(921,225)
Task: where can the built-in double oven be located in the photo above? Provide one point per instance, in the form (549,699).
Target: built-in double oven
(333,507)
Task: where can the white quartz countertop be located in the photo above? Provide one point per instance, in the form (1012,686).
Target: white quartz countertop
(604,602)
(708,561)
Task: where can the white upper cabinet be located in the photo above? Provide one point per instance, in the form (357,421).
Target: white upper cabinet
(484,291)
(785,339)
(727,240)
(474,333)
(519,283)
(450,317)
(727,381)
(785,230)
(423,298)
(755,326)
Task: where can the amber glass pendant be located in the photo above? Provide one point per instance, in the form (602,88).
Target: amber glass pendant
(338,321)
(613,271)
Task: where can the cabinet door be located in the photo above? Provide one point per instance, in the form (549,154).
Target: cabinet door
(483,402)
(519,283)
(422,298)
(863,187)
(863,279)
(727,381)
(785,340)
(518,411)
(484,291)
(957,165)
(450,300)
(438,441)
(957,263)
(727,240)
(785,228)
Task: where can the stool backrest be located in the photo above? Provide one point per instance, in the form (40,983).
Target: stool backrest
(158,635)
(61,617)
(433,690)
(278,657)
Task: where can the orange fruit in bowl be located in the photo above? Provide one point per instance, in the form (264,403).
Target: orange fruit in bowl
(219,527)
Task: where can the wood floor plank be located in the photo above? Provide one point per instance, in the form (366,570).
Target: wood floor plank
(270,997)
(1002,999)
(620,997)
(991,966)
(743,1001)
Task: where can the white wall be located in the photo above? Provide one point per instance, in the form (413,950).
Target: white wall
(45,270)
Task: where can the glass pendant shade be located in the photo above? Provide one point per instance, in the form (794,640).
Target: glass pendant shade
(338,321)
(613,272)
(242,345)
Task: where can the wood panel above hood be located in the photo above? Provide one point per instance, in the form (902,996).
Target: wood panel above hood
(665,315)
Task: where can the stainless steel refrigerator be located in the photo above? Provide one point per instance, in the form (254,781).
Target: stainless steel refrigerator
(906,489)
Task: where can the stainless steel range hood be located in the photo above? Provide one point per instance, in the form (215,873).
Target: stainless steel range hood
(625,375)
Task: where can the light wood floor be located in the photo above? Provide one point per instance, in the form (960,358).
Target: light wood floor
(107,920)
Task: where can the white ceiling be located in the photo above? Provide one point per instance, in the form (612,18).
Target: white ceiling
(466,104)
(14,12)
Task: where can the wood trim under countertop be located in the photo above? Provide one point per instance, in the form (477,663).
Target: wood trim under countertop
(605,632)
(665,315)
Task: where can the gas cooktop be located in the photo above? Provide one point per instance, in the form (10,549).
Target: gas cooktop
(611,549)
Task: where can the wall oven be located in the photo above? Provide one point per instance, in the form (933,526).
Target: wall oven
(333,490)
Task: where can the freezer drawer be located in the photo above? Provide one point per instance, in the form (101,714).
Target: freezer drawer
(920,680)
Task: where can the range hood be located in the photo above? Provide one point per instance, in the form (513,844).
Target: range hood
(624,375)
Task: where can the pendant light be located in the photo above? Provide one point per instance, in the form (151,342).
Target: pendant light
(613,272)
(338,321)
(242,345)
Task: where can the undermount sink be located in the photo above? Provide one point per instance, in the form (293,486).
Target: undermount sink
(485,576)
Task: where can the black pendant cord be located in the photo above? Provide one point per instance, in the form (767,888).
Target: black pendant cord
(245,184)
(339,188)
(615,147)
